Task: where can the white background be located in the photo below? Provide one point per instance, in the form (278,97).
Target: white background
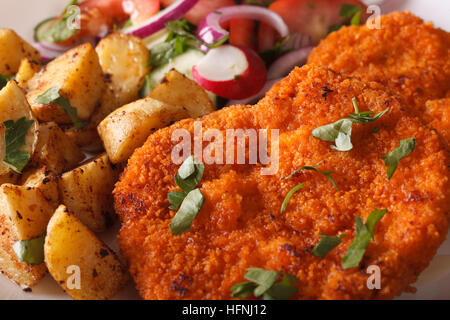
(23,15)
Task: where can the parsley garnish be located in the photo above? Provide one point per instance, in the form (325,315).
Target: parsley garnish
(30,251)
(272,54)
(60,31)
(314,167)
(364,233)
(190,200)
(340,132)
(52,95)
(326,244)
(15,134)
(350,14)
(3,80)
(289,195)
(405,147)
(263,283)
(180,38)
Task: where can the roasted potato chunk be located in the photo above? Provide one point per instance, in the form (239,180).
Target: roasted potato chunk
(12,49)
(25,213)
(70,247)
(78,75)
(87,190)
(128,127)
(176,89)
(124,60)
(13,106)
(55,150)
(27,69)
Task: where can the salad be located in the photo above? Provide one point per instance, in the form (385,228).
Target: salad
(236,50)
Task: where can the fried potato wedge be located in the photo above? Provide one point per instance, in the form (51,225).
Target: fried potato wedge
(87,190)
(78,75)
(25,213)
(124,60)
(55,150)
(178,90)
(13,106)
(12,49)
(72,250)
(128,127)
(27,69)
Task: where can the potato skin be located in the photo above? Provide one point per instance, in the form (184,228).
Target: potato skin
(178,90)
(87,190)
(12,49)
(70,243)
(128,127)
(79,76)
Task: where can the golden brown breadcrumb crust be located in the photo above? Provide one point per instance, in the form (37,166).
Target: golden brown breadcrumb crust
(407,55)
(437,115)
(240,224)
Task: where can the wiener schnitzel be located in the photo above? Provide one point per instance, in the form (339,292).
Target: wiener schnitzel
(407,55)
(240,224)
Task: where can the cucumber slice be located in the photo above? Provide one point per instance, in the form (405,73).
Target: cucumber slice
(41,28)
(183,64)
(156,38)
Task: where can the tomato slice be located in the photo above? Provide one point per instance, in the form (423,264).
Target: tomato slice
(201,9)
(308,17)
(242,33)
(140,10)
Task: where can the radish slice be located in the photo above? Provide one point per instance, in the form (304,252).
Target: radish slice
(250,100)
(231,72)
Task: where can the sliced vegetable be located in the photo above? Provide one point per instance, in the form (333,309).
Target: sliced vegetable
(140,10)
(392,159)
(15,133)
(267,86)
(364,232)
(173,12)
(30,251)
(240,74)
(201,9)
(210,30)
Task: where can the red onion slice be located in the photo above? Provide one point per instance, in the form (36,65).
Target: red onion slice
(287,62)
(173,12)
(211,32)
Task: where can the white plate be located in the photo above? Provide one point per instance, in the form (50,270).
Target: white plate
(23,15)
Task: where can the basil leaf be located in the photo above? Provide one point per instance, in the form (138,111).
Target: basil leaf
(60,31)
(3,80)
(282,290)
(189,209)
(264,279)
(392,159)
(175,198)
(192,181)
(289,195)
(326,244)
(364,232)
(15,139)
(242,290)
(314,167)
(30,251)
(52,95)
(187,168)
(348,10)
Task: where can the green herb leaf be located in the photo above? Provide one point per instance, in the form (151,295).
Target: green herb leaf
(282,290)
(192,181)
(15,134)
(340,131)
(326,244)
(314,167)
(356,19)
(264,279)
(289,195)
(52,95)
(3,80)
(189,209)
(60,31)
(242,290)
(364,232)
(176,198)
(348,10)
(187,168)
(392,159)
(30,251)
